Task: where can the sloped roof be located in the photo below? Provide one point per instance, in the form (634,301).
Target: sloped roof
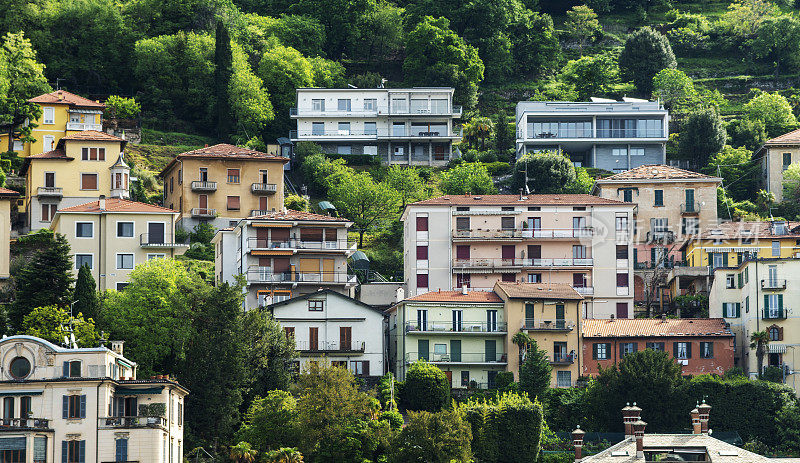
(657,172)
(53,154)
(747,229)
(65,97)
(513,200)
(787,138)
(118,205)
(654,327)
(6,193)
(457,296)
(717,450)
(225,151)
(93,135)
(328,292)
(292,215)
(538,290)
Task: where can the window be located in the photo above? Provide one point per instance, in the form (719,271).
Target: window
(151,256)
(344,128)
(730,281)
(422,253)
(465,378)
(622,280)
(399,129)
(773,331)
(659,198)
(399,105)
(124,261)
(707,350)
(578,251)
(122,285)
(19,368)
(93,154)
(787,160)
(359,367)
(626,348)
(318,128)
(75,451)
(622,251)
(422,319)
(18,146)
(83,259)
(318,105)
(370,128)
(233,203)
(124,229)
(776,249)
(48,212)
(506,223)
(458,318)
(422,223)
(49,143)
(422,280)
(370,150)
(657,346)
(88,181)
(683,350)
(637,151)
(601,351)
(534,278)
(619,151)
(84,229)
(690,225)
(731,309)
(370,104)
(563,378)
(49,115)
(343,104)
(233,175)
(122,449)
(344,149)
(316,305)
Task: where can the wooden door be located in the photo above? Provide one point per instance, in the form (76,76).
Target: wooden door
(313,338)
(328,270)
(309,269)
(262,236)
(449,375)
(203,202)
(345,338)
(508,251)
(462,252)
(263,204)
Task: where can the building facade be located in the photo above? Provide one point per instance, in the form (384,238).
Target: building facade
(702,346)
(611,135)
(112,236)
(462,332)
(475,241)
(330,327)
(85,405)
(285,254)
(222,184)
(63,114)
(414,126)
(750,297)
(551,314)
(775,156)
(82,167)
(6,197)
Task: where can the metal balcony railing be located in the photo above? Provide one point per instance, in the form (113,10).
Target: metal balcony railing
(293,243)
(450,327)
(562,358)
(330,346)
(584,290)
(458,357)
(200,185)
(132,422)
(264,188)
(585,232)
(265,275)
(690,208)
(203,212)
(660,236)
(774,313)
(773,284)
(24,423)
(522,262)
(148,240)
(50,191)
(530,324)
(373,134)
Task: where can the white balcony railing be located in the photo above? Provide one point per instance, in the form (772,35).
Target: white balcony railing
(84,126)
(522,262)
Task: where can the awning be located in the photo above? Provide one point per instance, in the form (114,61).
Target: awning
(125,364)
(135,391)
(21,392)
(777,348)
(272,253)
(270,225)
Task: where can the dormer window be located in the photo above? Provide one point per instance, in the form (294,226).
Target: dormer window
(72,369)
(20,368)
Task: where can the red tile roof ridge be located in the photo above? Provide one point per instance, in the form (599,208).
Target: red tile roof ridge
(656,172)
(529,199)
(118,205)
(456,296)
(290,214)
(66,98)
(654,327)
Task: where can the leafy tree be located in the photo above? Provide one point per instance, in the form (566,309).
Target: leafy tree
(367,203)
(283,70)
(119,107)
(536,48)
(646,52)
(406,182)
(303,33)
(467,177)
(44,280)
(442,437)
(590,75)
(545,172)
(380,33)
(270,353)
(295,202)
(759,341)
(745,17)
(765,199)
(435,55)
(284,455)
(426,388)
(703,136)
(251,109)
(582,24)
(739,173)
(338,18)
(535,371)
(777,42)
(270,422)
(152,18)
(84,297)
(774,110)
(674,88)
(504,133)
(522,341)
(746,133)
(243,453)
(223,70)
(53,323)
(21,77)
(479,129)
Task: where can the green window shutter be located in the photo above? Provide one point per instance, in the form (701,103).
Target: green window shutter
(455,350)
(724,259)
(738,310)
(675,349)
(594,351)
(491,350)
(740,280)
(688,350)
(422,349)
(766,303)
(780,302)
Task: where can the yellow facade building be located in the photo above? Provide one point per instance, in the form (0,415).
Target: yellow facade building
(112,236)
(63,114)
(551,314)
(223,184)
(6,197)
(82,167)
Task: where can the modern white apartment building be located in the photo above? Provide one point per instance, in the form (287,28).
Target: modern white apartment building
(401,126)
(331,327)
(611,135)
(85,405)
(475,241)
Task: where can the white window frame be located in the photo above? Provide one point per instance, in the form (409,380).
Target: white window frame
(318,104)
(683,351)
(730,281)
(156,255)
(133,228)
(602,351)
(344,150)
(348,103)
(84,254)
(314,131)
(51,112)
(371,150)
(18,145)
(48,143)
(84,237)
(776,249)
(89,189)
(370,104)
(117,261)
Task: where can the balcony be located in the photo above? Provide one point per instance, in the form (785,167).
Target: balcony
(203,213)
(773,284)
(498,358)
(372,134)
(257,275)
(148,240)
(128,422)
(521,263)
(530,324)
(83,126)
(584,290)
(330,347)
(50,191)
(562,358)
(199,185)
(257,212)
(660,237)
(263,188)
(774,313)
(450,327)
(299,244)
(690,208)
(523,233)
(18,424)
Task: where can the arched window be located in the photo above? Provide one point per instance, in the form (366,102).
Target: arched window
(774,333)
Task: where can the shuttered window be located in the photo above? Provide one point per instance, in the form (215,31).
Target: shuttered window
(122,450)
(233,203)
(88,181)
(73,406)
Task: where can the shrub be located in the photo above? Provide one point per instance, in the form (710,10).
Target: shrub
(442,437)
(773,375)
(296,202)
(385,392)
(503,379)
(394,418)
(426,388)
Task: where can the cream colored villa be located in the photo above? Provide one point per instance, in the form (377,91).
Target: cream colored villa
(85,405)
(112,236)
(775,156)
(6,196)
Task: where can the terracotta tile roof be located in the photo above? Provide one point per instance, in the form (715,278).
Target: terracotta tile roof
(787,138)
(718,451)
(538,290)
(292,215)
(65,97)
(118,205)
(457,296)
(93,135)
(225,151)
(54,154)
(513,200)
(5,192)
(737,230)
(651,327)
(657,172)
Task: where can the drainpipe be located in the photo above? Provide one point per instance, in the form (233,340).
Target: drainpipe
(96,427)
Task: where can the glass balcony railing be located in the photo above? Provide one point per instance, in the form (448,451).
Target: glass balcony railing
(458,327)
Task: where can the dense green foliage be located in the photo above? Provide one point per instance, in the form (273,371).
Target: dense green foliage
(84,298)
(646,53)
(535,371)
(441,437)
(54,324)
(426,388)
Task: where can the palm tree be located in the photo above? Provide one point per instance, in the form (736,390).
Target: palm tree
(522,340)
(759,341)
(479,128)
(243,453)
(284,455)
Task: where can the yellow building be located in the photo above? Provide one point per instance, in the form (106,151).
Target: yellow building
(762,295)
(730,243)
(6,197)
(63,114)
(774,157)
(82,167)
(550,313)
(114,235)
(250,183)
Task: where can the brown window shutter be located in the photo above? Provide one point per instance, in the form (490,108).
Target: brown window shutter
(45,212)
(101,154)
(365,369)
(780,333)
(233,203)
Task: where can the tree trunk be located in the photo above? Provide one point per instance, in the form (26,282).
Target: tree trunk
(11,138)
(360,238)
(760,355)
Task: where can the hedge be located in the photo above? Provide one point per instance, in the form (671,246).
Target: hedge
(426,388)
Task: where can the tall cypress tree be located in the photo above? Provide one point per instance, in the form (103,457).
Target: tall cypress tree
(85,295)
(223,61)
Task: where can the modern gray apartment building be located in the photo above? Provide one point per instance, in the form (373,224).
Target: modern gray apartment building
(606,134)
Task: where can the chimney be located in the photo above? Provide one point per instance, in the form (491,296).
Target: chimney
(464,289)
(577,441)
(695,413)
(520,194)
(638,431)
(102,202)
(626,419)
(705,410)
(116,346)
